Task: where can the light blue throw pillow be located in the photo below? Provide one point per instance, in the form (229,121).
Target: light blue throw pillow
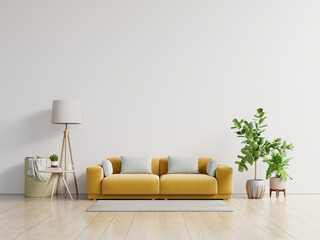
(211,168)
(182,165)
(107,168)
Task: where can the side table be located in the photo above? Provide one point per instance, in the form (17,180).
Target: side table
(55,177)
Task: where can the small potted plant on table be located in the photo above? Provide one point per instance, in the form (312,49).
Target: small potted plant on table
(54,160)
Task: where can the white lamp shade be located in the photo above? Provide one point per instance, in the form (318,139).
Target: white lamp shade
(66,111)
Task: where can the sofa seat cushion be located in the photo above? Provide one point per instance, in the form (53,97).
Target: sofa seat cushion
(131,184)
(188,184)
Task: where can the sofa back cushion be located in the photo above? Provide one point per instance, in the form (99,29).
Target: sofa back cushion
(136,165)
(182,165)
(116,164)
(202,165)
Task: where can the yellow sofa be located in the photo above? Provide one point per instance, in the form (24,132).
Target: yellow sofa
(159,184)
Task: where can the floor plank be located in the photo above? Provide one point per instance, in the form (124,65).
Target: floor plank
(119,227)
(218,228)
(197,226)
(175,226)
(74,228)
(147,225)
(97,226)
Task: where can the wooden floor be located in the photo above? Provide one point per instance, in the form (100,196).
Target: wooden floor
(296,217)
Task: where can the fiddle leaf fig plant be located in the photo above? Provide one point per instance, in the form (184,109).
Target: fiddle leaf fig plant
(256,146)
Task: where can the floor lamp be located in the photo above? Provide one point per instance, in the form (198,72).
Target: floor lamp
(66,112)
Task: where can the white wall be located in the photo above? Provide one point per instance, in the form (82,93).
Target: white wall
(159,78)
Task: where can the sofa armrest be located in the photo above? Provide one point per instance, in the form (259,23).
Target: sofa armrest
(224,176)
(95,176)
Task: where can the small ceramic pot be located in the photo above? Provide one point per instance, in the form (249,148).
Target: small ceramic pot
(277,183)
(54,163)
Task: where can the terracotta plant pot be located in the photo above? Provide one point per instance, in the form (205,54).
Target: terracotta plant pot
(255,188)
(277,183)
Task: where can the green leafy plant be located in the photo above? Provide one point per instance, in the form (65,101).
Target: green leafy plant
(54,157)
(278,163)
(257,146)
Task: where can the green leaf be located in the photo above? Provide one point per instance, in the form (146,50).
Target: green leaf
(267,150)
(256,154)
(244,151)
(262,119)
(250,160)
(288,159)
(290,146)
(236,123)
(259,110)
(261,141)
(278,140)
(284,145)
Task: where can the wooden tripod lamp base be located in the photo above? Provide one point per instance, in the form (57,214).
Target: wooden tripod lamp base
(66,112)
(65,142)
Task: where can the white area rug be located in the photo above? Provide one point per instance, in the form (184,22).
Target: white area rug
(160,206)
